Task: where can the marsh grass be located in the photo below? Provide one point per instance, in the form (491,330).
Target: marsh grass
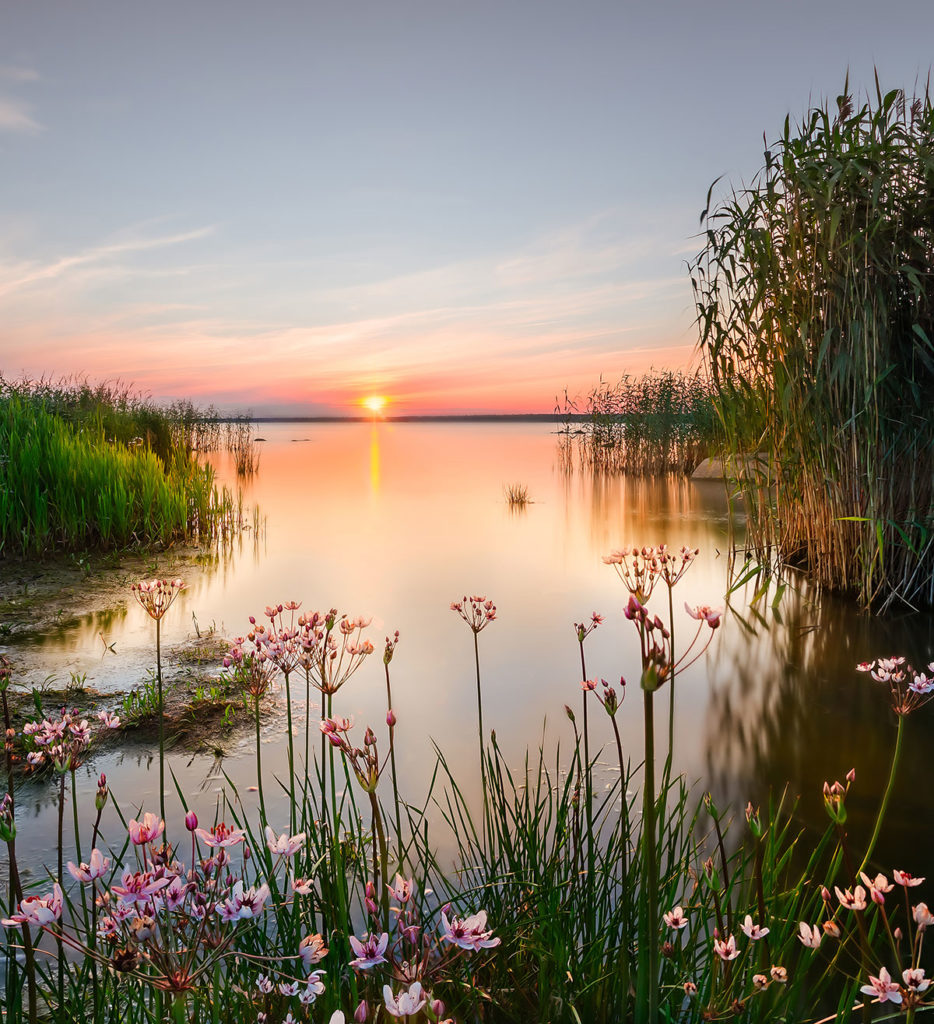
(661,422)
(96,468)
(815,305)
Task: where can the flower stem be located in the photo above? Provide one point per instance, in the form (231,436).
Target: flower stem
(161,719)
(896,756)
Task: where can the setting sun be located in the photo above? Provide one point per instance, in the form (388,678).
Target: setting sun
(375,403)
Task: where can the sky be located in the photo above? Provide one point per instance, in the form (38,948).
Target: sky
(464,207)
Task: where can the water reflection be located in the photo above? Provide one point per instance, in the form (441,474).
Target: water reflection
(786,706)
(395,520)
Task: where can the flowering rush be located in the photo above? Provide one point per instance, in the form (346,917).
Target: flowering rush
(469,933)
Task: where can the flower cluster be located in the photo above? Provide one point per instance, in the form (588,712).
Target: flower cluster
(156,596)
(63,741)
(909,689)
(478,612)
(409,954)
(329,647)
(640,569)
(167,924)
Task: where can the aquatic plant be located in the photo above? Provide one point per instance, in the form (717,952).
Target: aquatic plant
(661,422)
(815,310)
(517,495)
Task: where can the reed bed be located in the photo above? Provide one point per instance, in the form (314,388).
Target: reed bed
(661,422)
(815,306)
(97,468)
(568,898)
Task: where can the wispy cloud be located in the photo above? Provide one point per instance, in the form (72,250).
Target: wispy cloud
(15,116)
(16,277)
(18,73)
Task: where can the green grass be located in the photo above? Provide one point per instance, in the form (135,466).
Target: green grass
(84,468)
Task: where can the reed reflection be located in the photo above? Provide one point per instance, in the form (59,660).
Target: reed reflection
(787,706)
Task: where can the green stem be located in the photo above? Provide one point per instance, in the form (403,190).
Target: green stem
(259,765)
(392,765)
(291,753)
(483,787)
(60,944)
(896,756)
(161,719)
(648,963)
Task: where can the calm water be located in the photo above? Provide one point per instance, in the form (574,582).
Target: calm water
(395,521)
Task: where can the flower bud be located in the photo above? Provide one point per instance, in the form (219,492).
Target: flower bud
(191,821)
(390,718)
(362,1012)
(437,1007)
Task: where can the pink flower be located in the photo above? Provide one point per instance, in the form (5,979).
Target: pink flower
(243,903)
(303,886)
(915,980)
(855,900)
(760,982)
(675,918)
(139,886)
(726,949)
(883,988)
(401,889)
(108,720)
(284,845)
(38,910)
(906,878)
(312,950)
(221,836)
(879,883)
(469,933)
(370,952)
(146,830)
(704,613)
(923,917)
(314,987)
(406,1004)
(94,869)
(779,975)
(753,931)
(810,936)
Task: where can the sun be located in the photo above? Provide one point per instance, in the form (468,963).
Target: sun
(375,403)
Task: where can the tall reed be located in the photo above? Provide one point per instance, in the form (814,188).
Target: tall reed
(815,307)
(660,422)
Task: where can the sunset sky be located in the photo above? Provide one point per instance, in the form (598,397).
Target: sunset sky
(465,207)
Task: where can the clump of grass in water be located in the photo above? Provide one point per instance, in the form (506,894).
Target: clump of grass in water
(661,422)
(517,495)
(815,306)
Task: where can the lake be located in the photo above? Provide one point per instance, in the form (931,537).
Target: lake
(394,521)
